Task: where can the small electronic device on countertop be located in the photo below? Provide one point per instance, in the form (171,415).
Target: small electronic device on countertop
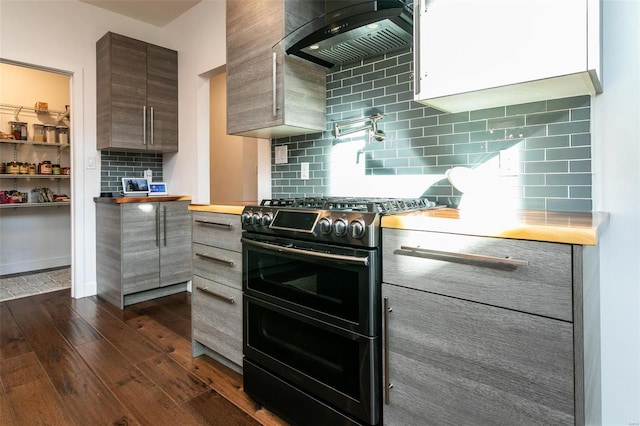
(157,188)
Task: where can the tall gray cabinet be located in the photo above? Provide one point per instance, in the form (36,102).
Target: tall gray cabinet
(143,249)
(269,94)
(488,331)
(137,95)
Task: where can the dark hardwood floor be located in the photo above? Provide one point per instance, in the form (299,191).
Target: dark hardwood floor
(67,361)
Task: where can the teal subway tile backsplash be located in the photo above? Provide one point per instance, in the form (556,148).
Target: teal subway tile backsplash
(551,141)
(116,165)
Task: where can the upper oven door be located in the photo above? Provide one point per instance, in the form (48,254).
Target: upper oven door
(337,285)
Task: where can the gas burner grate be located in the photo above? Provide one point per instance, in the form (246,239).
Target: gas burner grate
(370,205)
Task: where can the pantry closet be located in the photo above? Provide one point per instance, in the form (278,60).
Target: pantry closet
(35,183)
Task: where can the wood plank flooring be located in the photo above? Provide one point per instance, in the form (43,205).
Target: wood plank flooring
(67,361)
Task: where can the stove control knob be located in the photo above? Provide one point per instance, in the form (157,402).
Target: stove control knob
(341,227)
(357,229)
(255,219)
(266,219)
(246,218)
(325,225)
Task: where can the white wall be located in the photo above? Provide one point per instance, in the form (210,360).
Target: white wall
(199,36)
(61,34)
(616,122)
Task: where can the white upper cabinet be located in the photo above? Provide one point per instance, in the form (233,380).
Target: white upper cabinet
(473,54)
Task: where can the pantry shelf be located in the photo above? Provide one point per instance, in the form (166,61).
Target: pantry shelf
(17,109)
(21,142)
(32,205)
(51,177)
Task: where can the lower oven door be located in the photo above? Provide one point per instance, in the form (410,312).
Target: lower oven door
(327,363)
(337,285)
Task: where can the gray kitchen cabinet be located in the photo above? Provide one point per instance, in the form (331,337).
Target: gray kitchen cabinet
(476,55)
(137,95)
(143,250)
(269,94)
(482,330)
(216,306)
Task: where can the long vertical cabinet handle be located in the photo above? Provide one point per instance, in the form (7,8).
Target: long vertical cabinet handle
(144,125)
(164,224)
(416,47)
(385,331)
(274,83)
(158,227)
(152,125)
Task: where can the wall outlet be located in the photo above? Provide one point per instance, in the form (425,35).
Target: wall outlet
(281,154)
(304,171)
(509,162)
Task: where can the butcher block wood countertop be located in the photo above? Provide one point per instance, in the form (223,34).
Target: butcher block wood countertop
(154,198)
(538,225)
(231,207)
(551,226)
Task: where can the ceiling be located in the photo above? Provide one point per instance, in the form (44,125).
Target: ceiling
(154,12)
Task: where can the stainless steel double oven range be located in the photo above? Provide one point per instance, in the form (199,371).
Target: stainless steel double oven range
(311,307)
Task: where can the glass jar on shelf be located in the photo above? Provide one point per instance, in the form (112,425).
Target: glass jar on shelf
(13,168)
(45,168)
(63,134)
(19,130)
(38,132)
(50,133)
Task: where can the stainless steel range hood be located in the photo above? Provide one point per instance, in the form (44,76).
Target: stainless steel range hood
(351,30)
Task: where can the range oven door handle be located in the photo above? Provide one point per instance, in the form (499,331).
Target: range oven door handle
(363,261)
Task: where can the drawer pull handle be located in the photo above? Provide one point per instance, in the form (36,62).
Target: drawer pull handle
(215,259)
(206,222)
(229,299)
(505,263)
(385,324)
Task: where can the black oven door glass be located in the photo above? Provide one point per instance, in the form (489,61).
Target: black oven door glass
(321,359)
(341,293)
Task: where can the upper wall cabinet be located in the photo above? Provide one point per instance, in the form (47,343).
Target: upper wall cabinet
(269,94)
(472,55)
(137,95)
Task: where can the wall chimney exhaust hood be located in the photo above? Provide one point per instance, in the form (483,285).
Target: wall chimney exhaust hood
(350,30)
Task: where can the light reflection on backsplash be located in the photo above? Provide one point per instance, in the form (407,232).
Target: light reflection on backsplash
(550,139)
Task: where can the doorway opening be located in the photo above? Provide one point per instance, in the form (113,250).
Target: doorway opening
(36,184)
(239,167)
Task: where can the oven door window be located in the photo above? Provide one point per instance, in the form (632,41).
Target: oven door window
(342,293)
(326,361)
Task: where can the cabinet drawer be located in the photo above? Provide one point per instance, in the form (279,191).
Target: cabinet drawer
(217,229)
(482,269)
(217,318)
(508,367)
(216,264)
